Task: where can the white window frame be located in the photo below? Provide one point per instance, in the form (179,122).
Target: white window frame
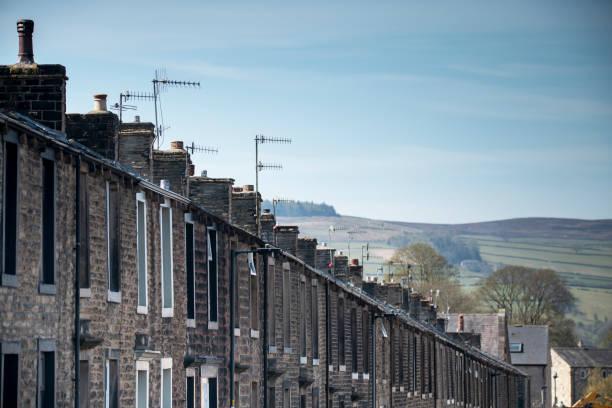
(212,324)
(190,372)
(142,366)
(189,220)
(166,311)
(207,372)
(166,364)
(141,198)
(113,296)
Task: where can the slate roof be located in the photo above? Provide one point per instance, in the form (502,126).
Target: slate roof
(491,327)
(585,356)
(535,345)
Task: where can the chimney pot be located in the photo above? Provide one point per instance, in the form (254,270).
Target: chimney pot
(248,187)
(137,119)
(165,184)
(191,169)
(354,261)
(204,173)
(460,324)
(176,145)
(266,211)
(25,28)
(100,102)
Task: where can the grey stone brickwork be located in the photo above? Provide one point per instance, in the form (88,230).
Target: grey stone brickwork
(268,222)
(172,165)
(135,147)
(97,130)
(307,250)
(243,210)
(214,194)
(36,91)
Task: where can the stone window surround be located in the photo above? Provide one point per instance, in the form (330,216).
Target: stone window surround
(47,288)
(112,296)
(142,365)
(212,324)
(166,311)
(8,279)
(141,198)
(47,346)
(165,364)
(10,347)
(189,220)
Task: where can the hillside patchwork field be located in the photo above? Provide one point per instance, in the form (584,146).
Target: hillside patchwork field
(580,251)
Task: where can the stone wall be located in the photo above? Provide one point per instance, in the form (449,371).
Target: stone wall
(214,194)
(97,130)
(36,91)
(135,147)
(307,250)
(171,165)
(243,211)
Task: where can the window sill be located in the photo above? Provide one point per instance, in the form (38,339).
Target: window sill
(354,376)
(47,289)
(287,350)
(342,368)
(254,334)
(236,332)
(167,312)
(191,323)
(303,360)
(85,292)
(366,376)
(114,297)
(272,349)
(330,368)
(9,280)
(142,310)
(315,361)
(213,325)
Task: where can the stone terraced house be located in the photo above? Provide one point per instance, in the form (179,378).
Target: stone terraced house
(128,281)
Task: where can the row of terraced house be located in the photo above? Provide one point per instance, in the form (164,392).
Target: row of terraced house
(128,281)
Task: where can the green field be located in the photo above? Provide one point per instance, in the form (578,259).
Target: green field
(582,255)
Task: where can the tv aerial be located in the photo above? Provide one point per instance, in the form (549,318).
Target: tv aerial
(276,201)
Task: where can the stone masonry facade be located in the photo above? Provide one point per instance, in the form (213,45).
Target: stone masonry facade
(130,300)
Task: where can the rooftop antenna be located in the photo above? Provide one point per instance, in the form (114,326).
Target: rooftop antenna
(259,166)
(161,84)
(194,148)
(333,228)
(120,107)
(367,253)
(126,96)
(276,201)
(350,234)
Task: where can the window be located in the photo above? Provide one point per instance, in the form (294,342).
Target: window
(112,383)
(422,361)
(208,389)
(272,397)
(166,382)
(142,384)
(354,340)
(365,344)
(516,347)
(302,297)
(236,394)
(84,234)
(10,213)
(166,259)
(236,282)
(254,290)
(272,294)
(212,278)
(341,345)
(414,363)
(400,344)
(112,241)
(287,395)
(9,374)
(141,249)
(302,401)
(286,308)
(84,384)
(314,307)
(315,397)
(254,395)
(583,374)
(46,373)
(190,269)
(48,222)
(190,388)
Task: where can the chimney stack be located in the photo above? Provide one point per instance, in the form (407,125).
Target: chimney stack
(34,90)
(25,28)
(267,226)
(214,194)
(137,119)
(324,258)
(286,237)
(100,103)
(307,250)
(460,324)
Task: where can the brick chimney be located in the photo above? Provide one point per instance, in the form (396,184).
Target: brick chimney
(341,267)
(415,305)
(214,194)
(173,165)
(287,237)
(136,146)
(324,258)
(36,91)
(356,273)
(243,208)
(268,222)
(307,250)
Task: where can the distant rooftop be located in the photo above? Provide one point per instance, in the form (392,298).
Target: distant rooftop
(585,356)
(534,345)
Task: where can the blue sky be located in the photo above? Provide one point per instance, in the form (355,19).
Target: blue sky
(415,111)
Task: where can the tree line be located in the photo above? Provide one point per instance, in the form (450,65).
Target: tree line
(529,296)
(301,209)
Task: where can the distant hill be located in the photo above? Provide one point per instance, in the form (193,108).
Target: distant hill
(301,209)
(559,228)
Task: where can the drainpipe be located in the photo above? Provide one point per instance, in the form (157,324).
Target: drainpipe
(265,329)
(232,317)
(77,284)
(327,345)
